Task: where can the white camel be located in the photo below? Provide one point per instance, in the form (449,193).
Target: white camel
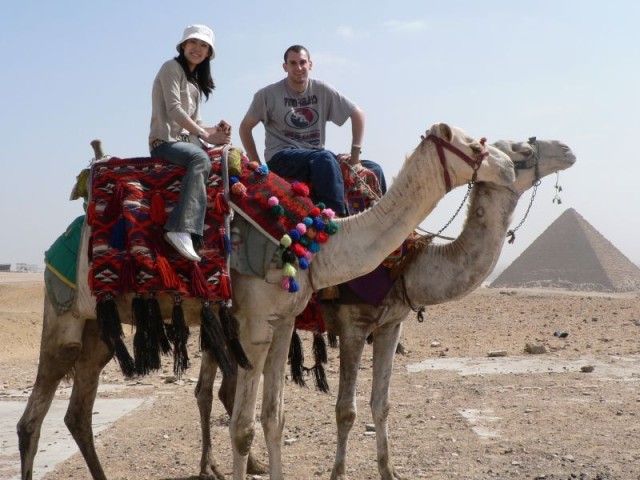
(436,274)
(446,157)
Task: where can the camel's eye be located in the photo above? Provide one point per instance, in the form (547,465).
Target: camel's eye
(476,149)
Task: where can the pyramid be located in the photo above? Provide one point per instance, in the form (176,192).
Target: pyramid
(572,255)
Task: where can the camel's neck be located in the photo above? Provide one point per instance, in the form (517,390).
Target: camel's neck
(463,264)
(364,240)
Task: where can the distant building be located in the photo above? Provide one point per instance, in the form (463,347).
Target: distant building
(26,268)
(5,267)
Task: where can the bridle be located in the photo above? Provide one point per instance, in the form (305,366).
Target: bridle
(474,163)
(534,162)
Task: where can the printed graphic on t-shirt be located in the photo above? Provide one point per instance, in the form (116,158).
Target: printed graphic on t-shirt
(301,118)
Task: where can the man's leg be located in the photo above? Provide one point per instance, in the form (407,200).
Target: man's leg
(377,170)
(319,168)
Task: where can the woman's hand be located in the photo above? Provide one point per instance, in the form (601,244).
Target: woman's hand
(218,135)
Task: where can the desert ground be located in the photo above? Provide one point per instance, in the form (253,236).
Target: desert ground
(457,412)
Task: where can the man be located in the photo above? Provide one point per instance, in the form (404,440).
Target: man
(295,112)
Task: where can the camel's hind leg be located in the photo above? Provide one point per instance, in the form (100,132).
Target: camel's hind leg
(60,347)
(353,336)
(95,355)
(385,341)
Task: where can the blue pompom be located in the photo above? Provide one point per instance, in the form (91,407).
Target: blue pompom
(318,223)
(314,247)
(293,286)
(303,263)
(308,221)
(294,234)
(233,179)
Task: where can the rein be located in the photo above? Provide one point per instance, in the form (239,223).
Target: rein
(534,162)
(474,163)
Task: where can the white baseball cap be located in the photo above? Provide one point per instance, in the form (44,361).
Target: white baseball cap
(201,32)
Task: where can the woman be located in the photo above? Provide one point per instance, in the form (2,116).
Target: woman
(175,122)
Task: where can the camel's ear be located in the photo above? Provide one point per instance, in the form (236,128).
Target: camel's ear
(445,132)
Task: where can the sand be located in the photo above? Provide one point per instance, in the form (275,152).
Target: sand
(455,411)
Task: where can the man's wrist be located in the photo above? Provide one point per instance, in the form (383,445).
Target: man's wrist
(201,133)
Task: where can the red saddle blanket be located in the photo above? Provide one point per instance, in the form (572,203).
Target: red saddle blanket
(131,199)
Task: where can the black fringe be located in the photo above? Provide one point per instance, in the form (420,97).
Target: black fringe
(111,333)
(296,359)
(333,339)
(212,338)
(147,358)
(156,324)
(180,335)
(230,327)
(319,349)
(320,378)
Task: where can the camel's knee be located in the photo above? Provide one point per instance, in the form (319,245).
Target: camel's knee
(28,431)
(243,438)
(380,410)
(345,414)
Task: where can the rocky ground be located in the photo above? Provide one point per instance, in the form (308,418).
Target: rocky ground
(570,412)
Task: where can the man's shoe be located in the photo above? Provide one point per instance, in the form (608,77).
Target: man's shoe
(181,241)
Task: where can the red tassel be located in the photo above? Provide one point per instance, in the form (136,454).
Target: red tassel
(114,207)
(220,205)
(158,212)
(167,275)
(199,288)
(127,274)
(225,285)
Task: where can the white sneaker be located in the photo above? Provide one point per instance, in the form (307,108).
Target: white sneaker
(181,241)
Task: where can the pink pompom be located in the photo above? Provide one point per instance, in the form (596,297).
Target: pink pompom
(285,283)
(301,228)
(308,255)
(328,213)
(273,201)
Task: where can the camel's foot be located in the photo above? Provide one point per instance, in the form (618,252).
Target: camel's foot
(256,467)
(211,472)
(392,474)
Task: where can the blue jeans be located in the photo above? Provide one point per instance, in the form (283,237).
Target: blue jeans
(320,168)
(188,215)
(377,170)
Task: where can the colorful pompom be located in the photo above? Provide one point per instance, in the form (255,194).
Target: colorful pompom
(253,165)
(314,247)
(300,188)
(331,228)
(301,228)
(328,213)
(288,270)
(293,286)
(238,189)
(303,263)
(285,283)
(262,170)
(315,211)
(308,221)
(285,241)
(233,179)
(298,250)
(318,224)
(277,210)
(311,233)
(288,256)
(322,237)
(234,161)
(273,201)
(294,234)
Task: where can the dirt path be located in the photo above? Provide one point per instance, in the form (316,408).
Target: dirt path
(456,413)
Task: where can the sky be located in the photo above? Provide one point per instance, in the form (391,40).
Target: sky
(567,70)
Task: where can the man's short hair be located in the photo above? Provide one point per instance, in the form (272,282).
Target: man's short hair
(297,49)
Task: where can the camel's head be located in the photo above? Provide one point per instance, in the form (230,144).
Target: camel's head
(465,155)
(535,159)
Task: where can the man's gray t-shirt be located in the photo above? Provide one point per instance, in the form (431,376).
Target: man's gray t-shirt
(294,120)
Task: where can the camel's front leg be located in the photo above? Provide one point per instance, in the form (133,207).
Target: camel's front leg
(255,336)
(272,415)
(59,348)
(204,394)
(353,336)
(385,341)
(95,355)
